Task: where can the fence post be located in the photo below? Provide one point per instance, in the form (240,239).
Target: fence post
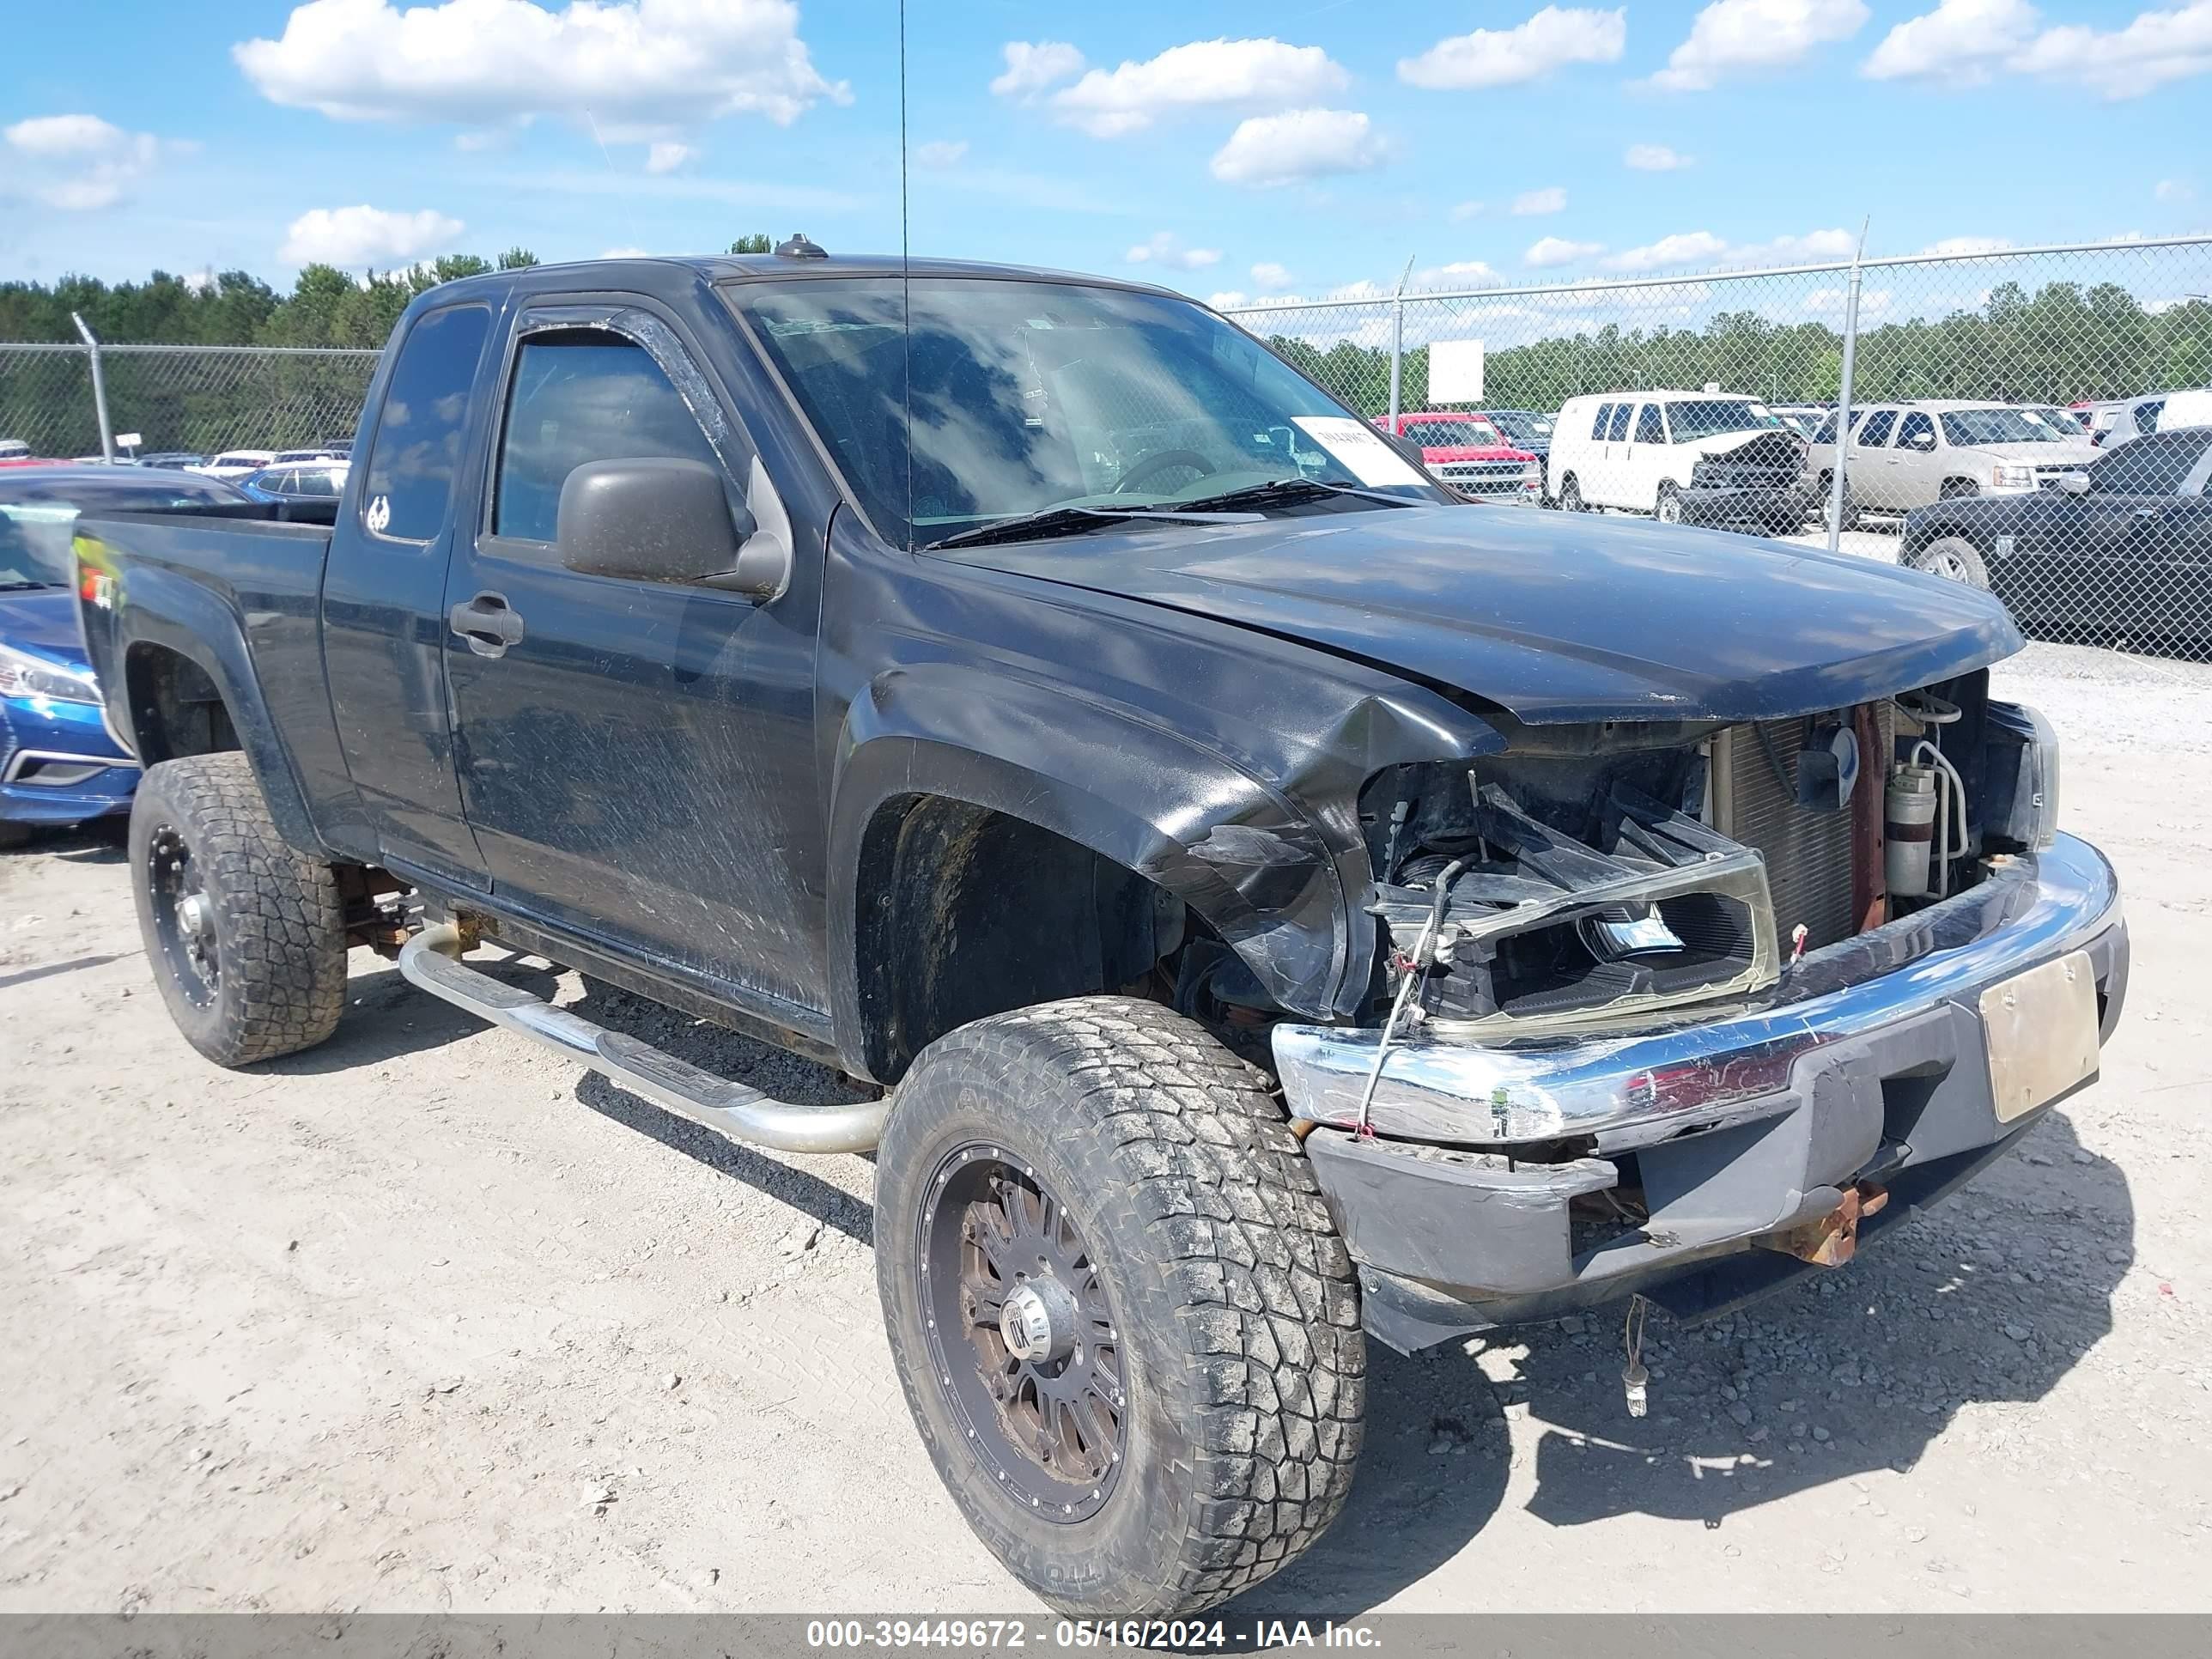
(99,386)
(1398,338)
(1837,485)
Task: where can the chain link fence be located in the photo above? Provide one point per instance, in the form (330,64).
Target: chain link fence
(189,399)
(2033,420)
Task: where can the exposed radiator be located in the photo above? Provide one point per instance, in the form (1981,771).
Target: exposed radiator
(1808,854)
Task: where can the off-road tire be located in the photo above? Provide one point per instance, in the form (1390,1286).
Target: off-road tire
(277,921)
(1953,557)
(1236,1302)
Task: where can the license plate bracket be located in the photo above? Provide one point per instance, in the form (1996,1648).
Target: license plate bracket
(2041,1031)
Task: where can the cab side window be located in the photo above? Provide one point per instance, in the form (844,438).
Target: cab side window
(418,429)
(1918,432)
(579,395)
(1876,432)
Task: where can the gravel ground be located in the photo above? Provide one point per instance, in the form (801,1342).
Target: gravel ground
(423,1320)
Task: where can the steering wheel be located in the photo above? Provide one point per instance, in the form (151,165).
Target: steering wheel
(1161,460)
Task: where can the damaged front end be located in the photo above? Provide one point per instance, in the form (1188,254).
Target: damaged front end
(1678,1007)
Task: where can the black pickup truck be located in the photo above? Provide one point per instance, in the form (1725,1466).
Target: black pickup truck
(1279,902)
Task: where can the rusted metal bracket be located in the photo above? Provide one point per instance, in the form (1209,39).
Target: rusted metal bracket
(1831,1241)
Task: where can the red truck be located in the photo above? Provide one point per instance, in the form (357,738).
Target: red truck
(1469,454)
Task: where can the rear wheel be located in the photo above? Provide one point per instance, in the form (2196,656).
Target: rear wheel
(1668,509)
(1954,557)
(1129,1333)
(246,938)
(1571,494)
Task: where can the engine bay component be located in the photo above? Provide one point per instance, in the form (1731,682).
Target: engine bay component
(1539,929)
(1908,829)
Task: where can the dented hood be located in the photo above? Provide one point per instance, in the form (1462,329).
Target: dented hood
(1555,616)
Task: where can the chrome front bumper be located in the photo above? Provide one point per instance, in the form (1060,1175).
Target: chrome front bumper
(1631,1091)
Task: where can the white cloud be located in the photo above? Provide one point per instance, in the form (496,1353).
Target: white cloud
(1459,271)
(1272,278)
(1031,66)
(666,157)
(1703,248)
(1557,251)
(1734,37)
(77,163)
(1873,301)
(1165,248)
(940,153)
(1463,211)
(2174,190)
(1268,150)
(350,237)
(1962,42)
(1656,158)
(1967,42)
(2155,48)
(1955,246)
(1531,202)
(1503,58)
(1266,74)
(640,67)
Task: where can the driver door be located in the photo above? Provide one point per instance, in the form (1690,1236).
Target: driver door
(636,757)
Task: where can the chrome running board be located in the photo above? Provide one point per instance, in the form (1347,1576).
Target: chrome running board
(431,961)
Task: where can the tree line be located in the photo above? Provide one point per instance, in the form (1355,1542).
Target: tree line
(2065,341)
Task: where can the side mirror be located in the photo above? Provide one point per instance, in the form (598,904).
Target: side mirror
(2073,483)
(665,520)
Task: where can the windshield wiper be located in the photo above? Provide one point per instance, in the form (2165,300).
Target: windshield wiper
(24,588)
(1277,491)
(1066,521)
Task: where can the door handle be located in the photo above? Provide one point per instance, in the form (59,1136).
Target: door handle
(2146,513)
(487,623)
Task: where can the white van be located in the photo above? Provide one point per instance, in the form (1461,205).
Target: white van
(1636,449)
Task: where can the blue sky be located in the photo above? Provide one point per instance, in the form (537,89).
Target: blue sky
(1285,149)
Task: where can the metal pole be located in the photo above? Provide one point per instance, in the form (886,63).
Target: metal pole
(99,386)
(1837,485)
(1398,337)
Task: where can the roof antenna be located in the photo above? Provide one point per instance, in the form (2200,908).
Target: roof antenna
(906,281)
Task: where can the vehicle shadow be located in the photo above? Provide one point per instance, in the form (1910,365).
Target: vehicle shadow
(1991,1297)
(101,841)
(726,1053)
(386,1018)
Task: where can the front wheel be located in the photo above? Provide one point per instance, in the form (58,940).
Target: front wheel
(1954,557)
(245,937)
(1669,507)
(1127,1330)
(1570,495)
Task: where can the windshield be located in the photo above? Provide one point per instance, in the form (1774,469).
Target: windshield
(1966,427)
(1524,429)
(1713,416)
(1029,397)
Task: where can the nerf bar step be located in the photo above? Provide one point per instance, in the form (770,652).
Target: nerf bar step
(431,961)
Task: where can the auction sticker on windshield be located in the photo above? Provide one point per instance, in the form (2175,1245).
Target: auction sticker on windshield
(1360,448)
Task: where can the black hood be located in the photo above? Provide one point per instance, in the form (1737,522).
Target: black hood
(1555,616)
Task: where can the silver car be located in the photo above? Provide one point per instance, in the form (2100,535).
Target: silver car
(1913,454)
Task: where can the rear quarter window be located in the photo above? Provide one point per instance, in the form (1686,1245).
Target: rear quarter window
(410,484)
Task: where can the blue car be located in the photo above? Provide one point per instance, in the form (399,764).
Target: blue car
(58,765)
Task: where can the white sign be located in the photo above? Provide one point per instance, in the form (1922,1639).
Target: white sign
(1360,448)
(1455,372)
(129,440)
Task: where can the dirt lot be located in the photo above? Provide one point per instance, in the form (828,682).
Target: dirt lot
(424,1320)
